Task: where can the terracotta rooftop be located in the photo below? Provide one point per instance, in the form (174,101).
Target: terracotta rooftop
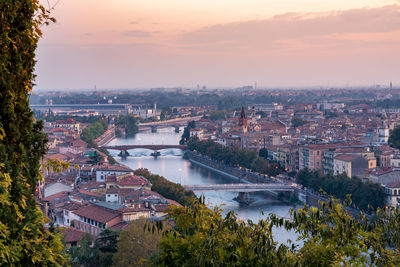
(97,213)
(346,157)
(394,185)
(121,168)
(72,235)
(120,226)
(89,193)
(60,195)
(67,121)
(132,180)
(382,171)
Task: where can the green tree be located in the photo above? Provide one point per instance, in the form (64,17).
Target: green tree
(24,241)
(394,138)
(85,254)
(296,122)
(129,122)
(167,188)
(186,132)
(165,113)
(203,237)
(263,153)
(136,245)
(234,156)
(363,194)
(217,115)
(93,131)
(329,237)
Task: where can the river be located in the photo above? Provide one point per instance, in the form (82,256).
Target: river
(176,169)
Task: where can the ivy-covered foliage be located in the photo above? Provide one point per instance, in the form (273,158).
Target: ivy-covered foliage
(24,241)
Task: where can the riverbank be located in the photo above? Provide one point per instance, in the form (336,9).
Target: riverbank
(240,174)
(180,170)
(243,176)
(214,170)
(106,137)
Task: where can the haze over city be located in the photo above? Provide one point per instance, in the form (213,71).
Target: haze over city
(168,43)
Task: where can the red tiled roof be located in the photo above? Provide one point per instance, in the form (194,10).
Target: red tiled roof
(60,195)
(346,157)
(89,193)
(160,207)
(67,121)
(382,171)
(97,213)
(111,178)
(132,180)
(174,203)
(72,235)
(120,226)
(121,168)
(394,185)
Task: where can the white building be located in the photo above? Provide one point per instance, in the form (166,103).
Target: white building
(197,132)
(392,191)
(383,134)
(105,170)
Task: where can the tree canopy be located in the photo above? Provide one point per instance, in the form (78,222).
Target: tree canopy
(234,156)
(24,239)
(136,245)
(129,122)
(394,138)
(363,194)
(328,236)
(167,188)
(296,122)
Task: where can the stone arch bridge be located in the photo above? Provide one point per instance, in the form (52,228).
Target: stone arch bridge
(124,148)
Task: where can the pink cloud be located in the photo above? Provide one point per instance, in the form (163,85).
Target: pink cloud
(292,26)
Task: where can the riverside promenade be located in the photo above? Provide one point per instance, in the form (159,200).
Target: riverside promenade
(240,174)
(246,176)
(107,136)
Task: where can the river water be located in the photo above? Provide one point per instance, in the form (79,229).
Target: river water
(176,169)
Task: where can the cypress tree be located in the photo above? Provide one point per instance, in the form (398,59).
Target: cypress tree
(24,241)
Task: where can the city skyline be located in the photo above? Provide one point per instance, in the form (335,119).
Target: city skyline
(136,44)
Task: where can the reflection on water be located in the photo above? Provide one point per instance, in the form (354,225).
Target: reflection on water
(176,169)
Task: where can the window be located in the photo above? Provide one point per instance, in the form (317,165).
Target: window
(395,192)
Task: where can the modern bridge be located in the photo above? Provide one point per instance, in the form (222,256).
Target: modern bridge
(172,121)
(175,123)
(242,187)
(243,190)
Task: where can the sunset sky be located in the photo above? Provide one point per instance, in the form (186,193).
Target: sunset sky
(219,43)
